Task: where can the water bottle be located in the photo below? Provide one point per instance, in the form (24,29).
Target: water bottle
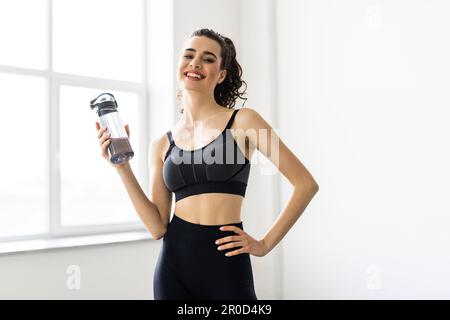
(108,115)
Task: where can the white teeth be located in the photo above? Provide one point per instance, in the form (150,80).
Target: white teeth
(194,75)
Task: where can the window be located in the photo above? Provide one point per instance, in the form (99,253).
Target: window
(101,38)
(53,181)
(24,44)
(23,169)
(91,192)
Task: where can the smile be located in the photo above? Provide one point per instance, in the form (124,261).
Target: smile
(193,76)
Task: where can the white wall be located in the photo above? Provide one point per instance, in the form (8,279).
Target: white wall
(256,48)
(113,271)
(364,101)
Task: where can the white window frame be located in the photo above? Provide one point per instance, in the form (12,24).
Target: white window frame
(54,81)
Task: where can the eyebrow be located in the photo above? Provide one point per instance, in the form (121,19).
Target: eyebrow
(206,52)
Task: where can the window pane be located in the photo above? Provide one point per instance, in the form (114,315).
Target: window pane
(91,189)
(100,38)
(23,164)
(23,33)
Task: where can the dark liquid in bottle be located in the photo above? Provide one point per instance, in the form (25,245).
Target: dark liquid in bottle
(120,149)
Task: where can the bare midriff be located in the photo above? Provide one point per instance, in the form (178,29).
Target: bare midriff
(210,208)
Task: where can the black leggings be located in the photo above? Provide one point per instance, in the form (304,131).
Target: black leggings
(190,267)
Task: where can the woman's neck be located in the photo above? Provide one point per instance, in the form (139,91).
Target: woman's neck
(198,108)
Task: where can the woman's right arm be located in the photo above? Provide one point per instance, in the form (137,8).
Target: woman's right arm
(153,212)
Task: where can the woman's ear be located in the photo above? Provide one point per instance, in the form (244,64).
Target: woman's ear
(222,76)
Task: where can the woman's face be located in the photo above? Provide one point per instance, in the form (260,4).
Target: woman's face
(202,55)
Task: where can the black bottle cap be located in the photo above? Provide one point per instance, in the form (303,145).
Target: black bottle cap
(103,100)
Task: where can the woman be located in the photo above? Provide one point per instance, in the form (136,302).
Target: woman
(209,177)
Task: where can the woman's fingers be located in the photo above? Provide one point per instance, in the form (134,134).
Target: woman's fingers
(232,245)
(104,137)
(229,238)
(105,144)
(100,132)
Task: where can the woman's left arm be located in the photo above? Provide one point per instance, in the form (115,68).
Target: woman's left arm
(262,136)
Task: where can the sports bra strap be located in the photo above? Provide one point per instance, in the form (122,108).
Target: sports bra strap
(169,134)
(230,122)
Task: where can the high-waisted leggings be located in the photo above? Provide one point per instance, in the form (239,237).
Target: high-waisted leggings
(190,267)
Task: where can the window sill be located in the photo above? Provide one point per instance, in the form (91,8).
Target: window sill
(71,242)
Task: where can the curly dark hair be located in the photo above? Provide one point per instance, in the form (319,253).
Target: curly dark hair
(226,92)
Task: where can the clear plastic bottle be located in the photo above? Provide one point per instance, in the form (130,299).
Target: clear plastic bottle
(108,115)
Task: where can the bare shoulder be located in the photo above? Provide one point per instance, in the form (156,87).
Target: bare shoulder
(249,118)
(159,146)
(255,128)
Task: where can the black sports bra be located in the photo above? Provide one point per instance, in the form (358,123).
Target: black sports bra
(220,166)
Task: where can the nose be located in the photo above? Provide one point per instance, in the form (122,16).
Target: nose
(196,66)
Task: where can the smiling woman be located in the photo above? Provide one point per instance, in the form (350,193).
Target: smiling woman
(210,78)
(226,91)
(206,252)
